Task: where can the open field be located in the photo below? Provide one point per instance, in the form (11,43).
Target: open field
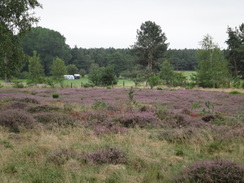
(118,135)
(78,83)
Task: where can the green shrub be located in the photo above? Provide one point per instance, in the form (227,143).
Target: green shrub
(235,92)
(153,81)
(18,84)
(55,95)
(88,85)
(98,105)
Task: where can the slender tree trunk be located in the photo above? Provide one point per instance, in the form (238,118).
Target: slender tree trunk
(5,72)
(149,64)
(236,72)
(150,61)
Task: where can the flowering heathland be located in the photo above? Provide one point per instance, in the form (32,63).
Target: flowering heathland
(119,135)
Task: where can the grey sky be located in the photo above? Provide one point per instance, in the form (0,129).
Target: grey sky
(113,23)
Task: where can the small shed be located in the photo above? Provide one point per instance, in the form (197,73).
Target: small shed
(77,76)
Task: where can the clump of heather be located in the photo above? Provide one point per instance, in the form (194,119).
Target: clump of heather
(139,119)
(60,156)
(107,155)
(221,171)
(15,119)
(227,133)
(99,105)
(29,100)
(16,105)
(110,128)
(43,108)
(186,135)
(54,119)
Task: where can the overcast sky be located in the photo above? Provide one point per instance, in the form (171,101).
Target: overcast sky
(113,23)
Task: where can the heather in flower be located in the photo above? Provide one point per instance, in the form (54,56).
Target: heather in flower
(108,155)
(52,119)
(220,171)
(60,156)
(109,128)
(139,119)
(16,119)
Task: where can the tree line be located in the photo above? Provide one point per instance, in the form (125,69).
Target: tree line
(50,44)
(148,59)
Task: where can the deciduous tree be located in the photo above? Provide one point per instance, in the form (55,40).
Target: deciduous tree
(213,68)
(36,71)
(16,17)
(58,70)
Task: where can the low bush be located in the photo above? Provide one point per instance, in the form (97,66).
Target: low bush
(16,105)
(55,95)
(15,119)
(43,108)
(99,105)
(18,84)
(54,119)
(219,171)
(89,85)
(29,100)
(60,156)
(235,92)
(107,155)
(110,128)
(140,119)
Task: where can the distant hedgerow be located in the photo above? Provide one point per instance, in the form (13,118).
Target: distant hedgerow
(219,171)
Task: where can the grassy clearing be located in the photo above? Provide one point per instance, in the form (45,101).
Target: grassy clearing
(78,83)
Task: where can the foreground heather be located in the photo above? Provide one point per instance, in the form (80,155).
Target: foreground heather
(104,135)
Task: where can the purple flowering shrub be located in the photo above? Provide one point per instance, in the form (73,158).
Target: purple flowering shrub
(60,156)
(219,171)
(139,119)
(16,105)
(50,119)
(108,155)
(109,128)
(29,100)
(43,108)
(15,119)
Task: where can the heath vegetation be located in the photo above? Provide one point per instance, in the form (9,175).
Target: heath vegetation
(121,135)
